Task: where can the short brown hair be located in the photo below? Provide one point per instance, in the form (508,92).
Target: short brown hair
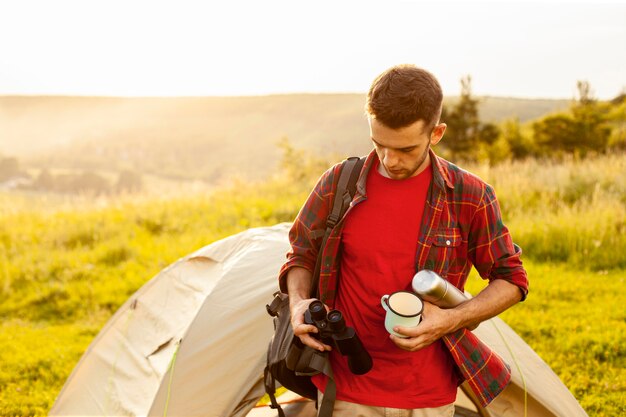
(404,94)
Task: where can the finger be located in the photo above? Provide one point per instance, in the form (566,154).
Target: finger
(310,341)
(410,344)
(304,329)
(407,331)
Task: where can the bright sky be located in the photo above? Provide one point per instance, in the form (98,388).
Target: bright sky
(149,47)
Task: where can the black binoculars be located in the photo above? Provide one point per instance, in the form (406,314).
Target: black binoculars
(333,331)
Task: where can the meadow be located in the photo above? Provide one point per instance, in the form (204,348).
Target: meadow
(66,266)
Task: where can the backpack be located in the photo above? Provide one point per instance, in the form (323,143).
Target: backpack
(289,362)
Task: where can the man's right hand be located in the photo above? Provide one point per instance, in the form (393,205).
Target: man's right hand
(299,288)
(301,329)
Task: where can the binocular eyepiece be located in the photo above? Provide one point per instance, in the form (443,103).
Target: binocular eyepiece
(331,322)
(333,331)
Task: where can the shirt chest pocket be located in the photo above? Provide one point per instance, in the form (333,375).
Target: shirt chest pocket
(446,252)
(448,237)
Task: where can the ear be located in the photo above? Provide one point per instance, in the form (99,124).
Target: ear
(437,134)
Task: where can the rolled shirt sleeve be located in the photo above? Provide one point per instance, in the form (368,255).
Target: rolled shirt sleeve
(491,248)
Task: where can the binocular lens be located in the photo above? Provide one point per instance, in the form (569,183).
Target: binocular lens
(336,321)
(335,316)
(318,312)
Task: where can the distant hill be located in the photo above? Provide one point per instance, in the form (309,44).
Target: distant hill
(204,137)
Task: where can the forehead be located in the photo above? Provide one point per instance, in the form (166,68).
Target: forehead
(415,134)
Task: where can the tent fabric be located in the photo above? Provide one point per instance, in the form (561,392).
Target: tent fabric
(192,342)
(545,393)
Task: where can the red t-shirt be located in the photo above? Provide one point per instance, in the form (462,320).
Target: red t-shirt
(379,246)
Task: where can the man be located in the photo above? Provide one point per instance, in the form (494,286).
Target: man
(412,210)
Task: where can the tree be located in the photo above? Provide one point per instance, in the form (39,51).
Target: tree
(467,136)
(617,121)
(585,95)
(556,135)
(591,118)
(521,146)
(583,130)
(462,122)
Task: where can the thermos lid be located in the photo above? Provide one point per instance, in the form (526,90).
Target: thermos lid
(428,283)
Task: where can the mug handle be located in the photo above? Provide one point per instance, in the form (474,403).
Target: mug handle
(384,302)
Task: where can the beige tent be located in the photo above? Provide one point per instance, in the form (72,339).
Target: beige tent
(192,342)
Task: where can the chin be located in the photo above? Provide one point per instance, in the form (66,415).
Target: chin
(398,176)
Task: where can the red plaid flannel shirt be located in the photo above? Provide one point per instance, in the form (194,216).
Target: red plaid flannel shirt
(461,227)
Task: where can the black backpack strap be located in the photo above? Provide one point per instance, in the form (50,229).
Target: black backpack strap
(354,175)
(270,389)
(328,399)
(346,188)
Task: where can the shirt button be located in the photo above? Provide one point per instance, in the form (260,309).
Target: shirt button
(448,242)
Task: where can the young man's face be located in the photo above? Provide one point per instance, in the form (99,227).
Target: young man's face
(403,152)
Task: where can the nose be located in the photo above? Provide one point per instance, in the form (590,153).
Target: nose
(390,158)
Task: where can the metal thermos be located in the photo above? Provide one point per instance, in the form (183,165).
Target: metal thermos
(434,289)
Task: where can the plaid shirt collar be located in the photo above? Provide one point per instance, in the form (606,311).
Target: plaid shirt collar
(441,176)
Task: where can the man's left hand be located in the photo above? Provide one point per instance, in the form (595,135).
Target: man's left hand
(436,322)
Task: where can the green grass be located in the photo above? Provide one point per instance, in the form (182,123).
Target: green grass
(36,357)
(573,211)
(65,268)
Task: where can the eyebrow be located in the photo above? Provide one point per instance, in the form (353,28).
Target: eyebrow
(407,148)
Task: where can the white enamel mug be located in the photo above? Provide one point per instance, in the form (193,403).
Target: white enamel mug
(403,308)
